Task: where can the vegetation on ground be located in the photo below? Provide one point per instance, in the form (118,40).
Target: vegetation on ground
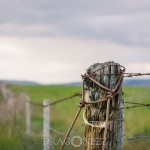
(137,120)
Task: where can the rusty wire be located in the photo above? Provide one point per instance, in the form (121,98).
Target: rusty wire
(122,68)
(125,74)
(110,95)
(145,137)
(104,87)
(135,74)
(81,105)
(109,98)
(56,101)
(136,105)
(113,91)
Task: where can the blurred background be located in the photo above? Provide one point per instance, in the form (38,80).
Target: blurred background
(47,44)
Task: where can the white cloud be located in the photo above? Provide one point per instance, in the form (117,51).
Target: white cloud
(138,67)
(54,60)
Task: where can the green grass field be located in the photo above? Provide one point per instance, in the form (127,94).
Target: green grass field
(137,120)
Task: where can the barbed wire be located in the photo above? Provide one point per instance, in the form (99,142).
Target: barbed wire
(77,128)
(135,74)
(62,133)
(137,103)
(122,68)
(144,137)
(126,74)
(66,98)
(127,138)
(56,101)
(130,107)
(56,131)
(79,94)
(134,105)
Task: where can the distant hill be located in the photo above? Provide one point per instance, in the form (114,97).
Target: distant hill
(18,82)
(136,82)
(127,82)
(71,84)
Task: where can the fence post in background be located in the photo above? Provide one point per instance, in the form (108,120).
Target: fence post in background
(102,130)
(28,119)
(46,125)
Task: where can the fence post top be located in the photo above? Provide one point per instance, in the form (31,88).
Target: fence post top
(46,101)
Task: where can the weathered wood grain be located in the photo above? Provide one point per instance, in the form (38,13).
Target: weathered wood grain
(106,74)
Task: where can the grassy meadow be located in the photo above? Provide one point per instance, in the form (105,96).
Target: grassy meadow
(12,130)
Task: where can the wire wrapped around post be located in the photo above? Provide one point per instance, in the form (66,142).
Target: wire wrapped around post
(103,85)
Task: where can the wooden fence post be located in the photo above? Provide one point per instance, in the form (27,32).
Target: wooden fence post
(46,125)
(95,117)
(28,119)
(120,122)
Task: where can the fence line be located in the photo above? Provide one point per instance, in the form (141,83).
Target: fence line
(134,105)
(46,105)
(56,101)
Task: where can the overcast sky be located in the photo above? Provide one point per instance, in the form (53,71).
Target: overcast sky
(54,41)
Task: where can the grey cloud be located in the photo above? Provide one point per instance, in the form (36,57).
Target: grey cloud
(72,18)
(39,11)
